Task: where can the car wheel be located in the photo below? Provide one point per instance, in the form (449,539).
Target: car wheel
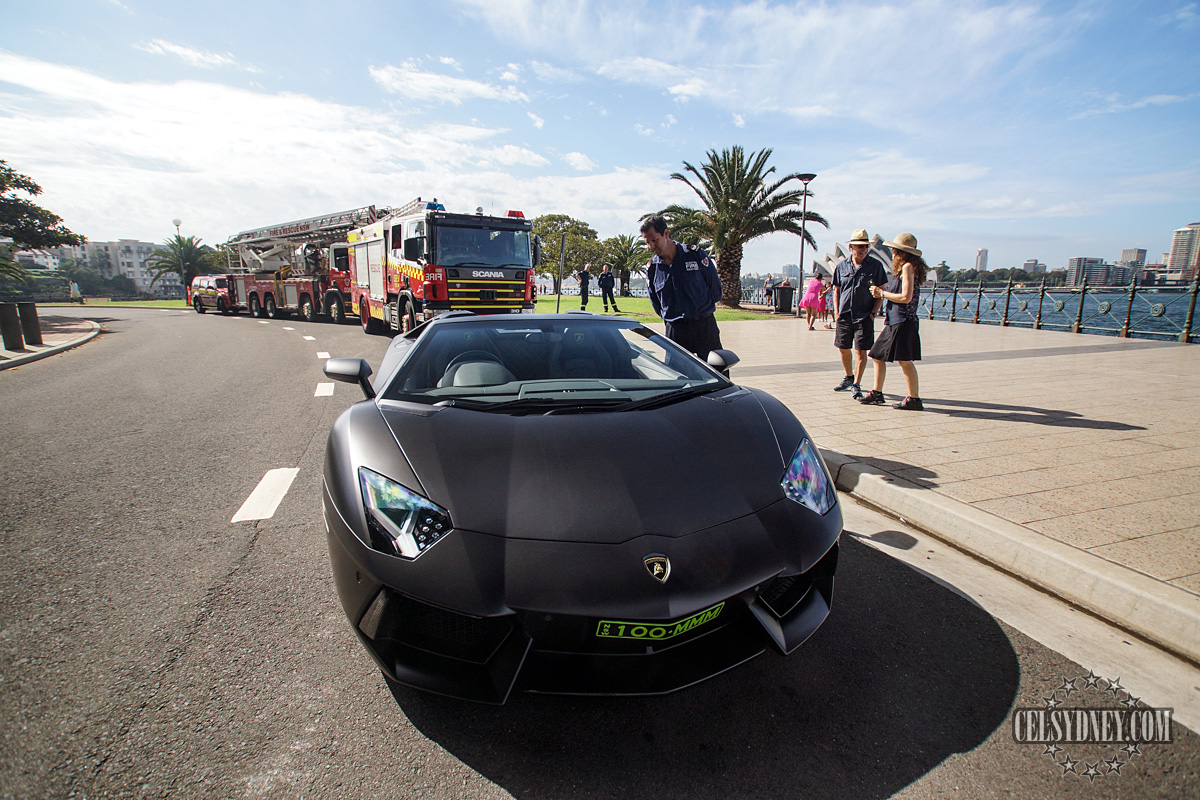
(221,306)
(337,311)
(255,308)
(395,307)
(196,304)
(307,312)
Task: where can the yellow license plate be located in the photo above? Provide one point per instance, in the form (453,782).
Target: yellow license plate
(611,629)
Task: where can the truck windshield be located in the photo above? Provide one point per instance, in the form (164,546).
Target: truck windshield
(480,247)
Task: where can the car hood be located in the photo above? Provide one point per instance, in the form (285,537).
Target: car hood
(595,477)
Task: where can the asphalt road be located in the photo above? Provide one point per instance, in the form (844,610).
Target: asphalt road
(150,647)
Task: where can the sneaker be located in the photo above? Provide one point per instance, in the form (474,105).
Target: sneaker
(909,404)
(846,383)
(872,398)
(856,392)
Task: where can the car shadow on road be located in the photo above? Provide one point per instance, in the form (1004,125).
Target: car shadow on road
(904,674)
(1053,417)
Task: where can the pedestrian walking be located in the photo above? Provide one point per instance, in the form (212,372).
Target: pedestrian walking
(855,309)
(606,281)
(73,290)
(584,277)
(826,288)
(769,286)
(684,288)
(901,339)
(811,302)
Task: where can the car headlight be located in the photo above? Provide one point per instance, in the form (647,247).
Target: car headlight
(401,522)
(806,480)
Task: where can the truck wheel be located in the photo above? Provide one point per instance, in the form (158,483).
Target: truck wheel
(307,312)
(222,307)
(255,308)
(335,308)
(270,307)
(408,319)
(370,325)
(196,304)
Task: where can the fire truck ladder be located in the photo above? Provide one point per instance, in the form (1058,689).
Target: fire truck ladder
(322,227)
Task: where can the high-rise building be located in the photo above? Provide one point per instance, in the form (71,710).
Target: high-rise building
(981,260)
(1093,269)
(1133,257)
(1185,251)
(1032,265)
(128,257)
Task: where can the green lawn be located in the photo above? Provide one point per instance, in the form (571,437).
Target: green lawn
(638,308)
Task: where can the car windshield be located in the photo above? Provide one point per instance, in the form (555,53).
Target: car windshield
(529,365)
(480,247)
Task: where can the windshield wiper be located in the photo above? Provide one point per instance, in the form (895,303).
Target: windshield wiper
(670,397)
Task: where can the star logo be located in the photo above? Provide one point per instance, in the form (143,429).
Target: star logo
(1068,765)
(1091,773)
(1132,750)
(1115,687)
(1131,701)
(1052,750)
(1091,680)
(1114,765)
(1052,702)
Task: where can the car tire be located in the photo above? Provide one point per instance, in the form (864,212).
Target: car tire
(196,304)
(222,307)
(255,307)
(307,312)
(370,325)
(408,318)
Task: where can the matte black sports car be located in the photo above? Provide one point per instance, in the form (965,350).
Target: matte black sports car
(571,504)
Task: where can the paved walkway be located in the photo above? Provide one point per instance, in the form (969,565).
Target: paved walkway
(1078,455)
(58,334)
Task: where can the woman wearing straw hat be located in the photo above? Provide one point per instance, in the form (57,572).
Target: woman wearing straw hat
(900,340)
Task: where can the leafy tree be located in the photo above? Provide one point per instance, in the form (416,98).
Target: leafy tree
(582,245)
(183,257)
(89,280)
(218,259)
(739,206)
(29,225)
(100,261)
(628,256)
(122,286)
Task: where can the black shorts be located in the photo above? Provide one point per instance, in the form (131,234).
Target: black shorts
(860,334)
(700,336)
(900,342)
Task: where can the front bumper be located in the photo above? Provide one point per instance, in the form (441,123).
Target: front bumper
(477,616)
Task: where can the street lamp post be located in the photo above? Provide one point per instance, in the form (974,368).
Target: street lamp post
(182,278)
(177,222)
(805,178)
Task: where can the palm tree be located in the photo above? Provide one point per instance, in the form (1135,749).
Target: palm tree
(739,206)
(628,256)
(183,257)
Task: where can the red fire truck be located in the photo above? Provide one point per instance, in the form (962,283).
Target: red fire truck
(301,266)
(421,260)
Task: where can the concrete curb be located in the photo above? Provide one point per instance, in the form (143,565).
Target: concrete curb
(49,351)
(1159,612)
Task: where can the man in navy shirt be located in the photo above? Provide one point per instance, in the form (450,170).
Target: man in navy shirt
(606,281)
(684,289)
(584,277)
(855,309)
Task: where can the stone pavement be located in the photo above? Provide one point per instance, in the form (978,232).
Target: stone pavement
(1072,460)
(58,334)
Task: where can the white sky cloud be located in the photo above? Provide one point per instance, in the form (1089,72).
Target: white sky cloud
(192,55)
(538,122)
(580,162)
(417,85)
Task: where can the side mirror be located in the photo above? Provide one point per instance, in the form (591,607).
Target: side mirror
(351,370)
(721,360)
(537,251)
(414,248)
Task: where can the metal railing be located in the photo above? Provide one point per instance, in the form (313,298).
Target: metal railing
(1144,312)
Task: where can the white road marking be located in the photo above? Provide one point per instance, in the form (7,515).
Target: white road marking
(264,322)
(307,338)
(324,390)
(286,328)
(265,498)
(322,355)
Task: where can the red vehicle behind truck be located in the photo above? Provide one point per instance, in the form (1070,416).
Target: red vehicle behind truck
(298,267)
(421,260)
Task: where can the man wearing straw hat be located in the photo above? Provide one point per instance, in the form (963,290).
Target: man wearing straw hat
(855,309)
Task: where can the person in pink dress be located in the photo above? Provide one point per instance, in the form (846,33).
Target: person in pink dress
(811,301)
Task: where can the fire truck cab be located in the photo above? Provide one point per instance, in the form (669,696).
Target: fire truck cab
(422,260)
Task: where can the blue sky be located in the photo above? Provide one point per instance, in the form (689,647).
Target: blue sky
(1034,129)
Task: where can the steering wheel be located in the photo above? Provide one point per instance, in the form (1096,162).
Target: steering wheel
(472,355)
